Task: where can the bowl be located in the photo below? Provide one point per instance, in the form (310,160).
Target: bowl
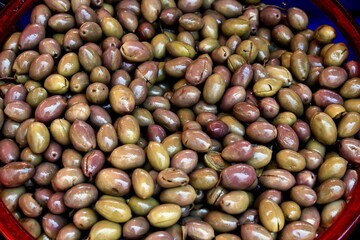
(16,14)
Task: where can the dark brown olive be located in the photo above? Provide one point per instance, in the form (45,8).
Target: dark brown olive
(55,203)
(50,108)
(9,151)
(261,132)
(82,136)
(270,16)
(15,93)
(31,36)
(52,224)
(72,40)
(353,69)
(99,116)
(50,46)
(92,163)
(189,119)
(246,112)
(40,14)
(349,149)
(45,172)
(15,174)
(136,228)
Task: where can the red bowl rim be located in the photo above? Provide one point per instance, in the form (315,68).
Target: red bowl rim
(343,225)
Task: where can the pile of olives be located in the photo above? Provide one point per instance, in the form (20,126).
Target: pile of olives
(188,119)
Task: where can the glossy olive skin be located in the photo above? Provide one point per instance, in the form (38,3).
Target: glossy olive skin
(82,136)
(84,218)
(165,119)
(52,224)
(106,205)
(143,183)
(279,179)
(164,215)
(136,228)
(289,230)
(348,148)
(267,87)
(271,215)
(128,156)
(290,160)
(56,104)
(15,174)
(80,196)
(106,229)
(303,195)
(238,151)
(249,230)
(261,132)
(330,190)
(198,229)
(172,177)
(9,151)
(31,36)
(196,140)
(38,137)
(324,128)
(233,180)
(41,67)
(66,178)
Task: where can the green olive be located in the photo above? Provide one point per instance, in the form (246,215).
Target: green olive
(35,96)
(281,73)
(262,156)
(38,137)
(111,27)
(140,206)
(267,87)
(159,42)
(324,34)
(290,101)
(324,128)
(122,99)
(248,50)
(164,215)
(113,210)
(128,129)
(336,55)
(182,195)
(351,87)
(105,229)
(288,118)
(172,143)
(180,49)
(142,183)
(271,215)
(300,65)
(236,202)
(214,88)
(291,209)
(349,125)
(158,156)
(210,28)
(69,64)
(333,167)
(56,84)
(88,58)
(238,26)
(59,129)
(331,211)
